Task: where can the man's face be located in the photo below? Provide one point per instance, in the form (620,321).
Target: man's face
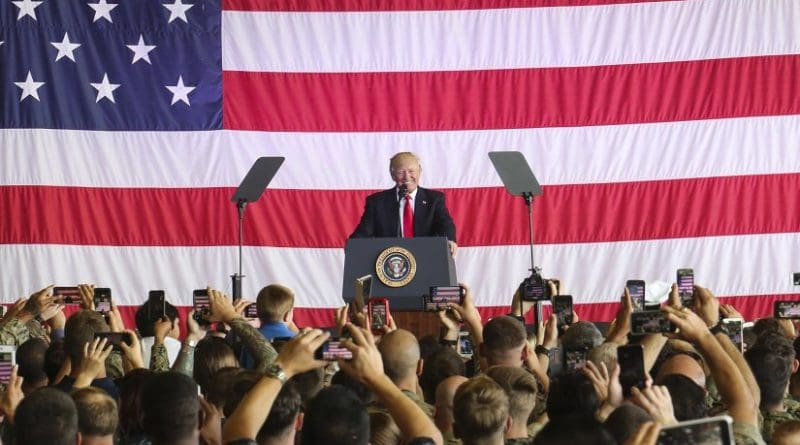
(407,171)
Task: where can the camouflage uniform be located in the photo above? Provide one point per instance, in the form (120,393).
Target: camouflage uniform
(772,420)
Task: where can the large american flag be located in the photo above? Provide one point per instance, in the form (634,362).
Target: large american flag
(666,134)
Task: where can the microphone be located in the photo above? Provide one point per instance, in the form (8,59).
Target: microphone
(403,191)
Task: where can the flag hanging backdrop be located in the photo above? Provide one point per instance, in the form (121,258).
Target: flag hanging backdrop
(666,134)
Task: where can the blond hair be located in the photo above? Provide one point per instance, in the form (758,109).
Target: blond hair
(274,302)
(520,387)
(480,409)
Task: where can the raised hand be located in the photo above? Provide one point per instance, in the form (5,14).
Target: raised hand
(12,396)
(93,362)
(133,352)
(657,402)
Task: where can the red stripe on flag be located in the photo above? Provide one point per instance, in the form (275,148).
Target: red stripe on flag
(407,5)
(512,98)
(751,307)
(291,218)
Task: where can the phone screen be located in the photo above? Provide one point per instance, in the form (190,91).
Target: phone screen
(201,305)
(377,314)
(465,345)
(333,350)
(102,299)
(115,338)
(707,431)
(636,291)
(251,311)
(6,366)
(69,295)
(650,322)
(631,365)
(575,359)
(441,297)
(686,286)
(787,309)
(734,327)
(562,307)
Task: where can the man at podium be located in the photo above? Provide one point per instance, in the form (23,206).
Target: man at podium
(406,210)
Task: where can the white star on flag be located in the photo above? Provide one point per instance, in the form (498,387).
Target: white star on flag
(177,10)
(141,51)
(65,48)
(26,7)
(29,87)
(102,10)
(105,89)
(180,92)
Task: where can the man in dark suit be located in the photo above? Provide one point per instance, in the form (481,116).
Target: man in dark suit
(406,209)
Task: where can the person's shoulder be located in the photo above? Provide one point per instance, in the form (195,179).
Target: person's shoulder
(431,193)
(382,194)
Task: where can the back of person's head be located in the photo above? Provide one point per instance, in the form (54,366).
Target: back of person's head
(442,364)
(767,325)
(684,364)
(443,404)
(400,354)
(220,387)
(361,391)
(688,399)
(771,358)
(308,384)
(383,429)
(97,412)
(428,345)
(571,394)
(274,302)
(520,387)
(582,335)
(147,316)
(210,355)
(480,410)
(79,330)
(625,421)
(131,415)
(503,340)
(170,405)
(336,417)
(31,361)
(242,382)
(283,414)
(786,433)
(605,353)
(54,359)
(574,430)
(46,416)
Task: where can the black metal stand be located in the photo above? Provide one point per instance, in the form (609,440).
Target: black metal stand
(236,279)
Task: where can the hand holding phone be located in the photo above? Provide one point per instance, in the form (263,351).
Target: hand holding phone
(68,295)
(631,364)
(441,297)
(115,338)
(636,291)
(686,286)
(8,358)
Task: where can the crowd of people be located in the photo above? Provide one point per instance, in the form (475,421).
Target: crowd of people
(231,381)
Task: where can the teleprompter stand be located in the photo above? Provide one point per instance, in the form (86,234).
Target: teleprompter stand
(518,178)
(250,190)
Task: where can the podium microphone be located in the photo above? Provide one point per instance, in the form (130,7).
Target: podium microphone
(403,191)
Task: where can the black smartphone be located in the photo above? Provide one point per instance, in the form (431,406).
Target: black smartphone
(650,322)
(636,291)
(556,366)
(631,367)
(534,288)
(251,311)
(332,350)
(465,349)
(378,314)
(562,307)
(201,305)
(102,299)
(796,278)
(441,297)
(115,338)
(686,286)
(575,359)
(735,328)
(156,305)
(69,295)
(787,309)
(705,431)
(8,358)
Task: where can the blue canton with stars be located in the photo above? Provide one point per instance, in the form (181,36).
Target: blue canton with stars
(111,64)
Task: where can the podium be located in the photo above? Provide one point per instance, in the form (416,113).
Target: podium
(402,269)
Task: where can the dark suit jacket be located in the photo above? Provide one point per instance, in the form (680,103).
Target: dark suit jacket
(381,215)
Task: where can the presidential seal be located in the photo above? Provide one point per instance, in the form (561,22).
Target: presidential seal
(396,267)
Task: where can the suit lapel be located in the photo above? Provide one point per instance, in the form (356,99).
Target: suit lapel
(392,209)
(421,206)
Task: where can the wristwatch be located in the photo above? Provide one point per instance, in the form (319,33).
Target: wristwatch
(719,328)
(274,370)
(539,349)
(190,343)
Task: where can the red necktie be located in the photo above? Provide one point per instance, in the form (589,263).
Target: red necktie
(408,219)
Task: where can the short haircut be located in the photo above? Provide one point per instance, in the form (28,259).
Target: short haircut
(771,359)
(442,364)
(604,353)
(403,156)
(284,409)
(784,432)
(79,330)
(308,384)
(688,399)
(520,387)
(170,405)
(571,394)
(211,354)
(574,430)
(582,335)
(767,325)
(219,391)
(31,360)
(383,429)
(274,302)
(360,390)
(480,408)
(336,417)
(428,345)
(131,415)
(502,335)
(146,320)
(61,425)
(97,412)
(625,421)
(400,354)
